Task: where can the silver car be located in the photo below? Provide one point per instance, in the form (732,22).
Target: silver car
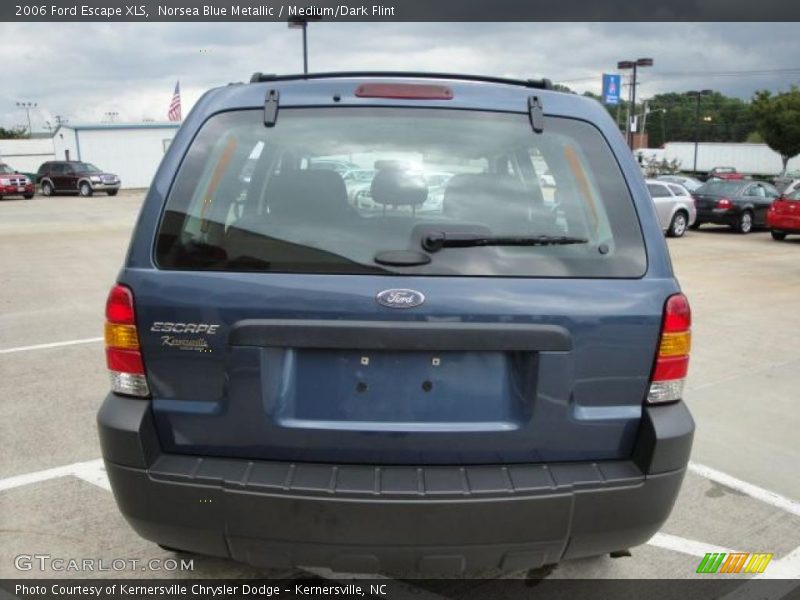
(690,183)
(674,205)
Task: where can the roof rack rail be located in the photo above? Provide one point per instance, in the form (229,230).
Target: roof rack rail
(542,84)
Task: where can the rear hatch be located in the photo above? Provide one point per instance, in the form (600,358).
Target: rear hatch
(509,323)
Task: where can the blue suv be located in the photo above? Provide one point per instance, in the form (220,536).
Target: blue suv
(468,371)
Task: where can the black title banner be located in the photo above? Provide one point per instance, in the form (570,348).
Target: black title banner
(387,589)
(398,10)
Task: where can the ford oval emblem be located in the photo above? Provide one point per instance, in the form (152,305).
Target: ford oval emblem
(400,298)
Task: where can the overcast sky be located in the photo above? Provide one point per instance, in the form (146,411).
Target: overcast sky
(83,70)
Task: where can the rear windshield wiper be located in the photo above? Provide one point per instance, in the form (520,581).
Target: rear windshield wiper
(436,240)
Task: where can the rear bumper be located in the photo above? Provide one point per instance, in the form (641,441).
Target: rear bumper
(364,519)
(721,217)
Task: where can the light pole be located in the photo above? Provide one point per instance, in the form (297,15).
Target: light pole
(296,22)
(696,95)
(634,65)
(27,106)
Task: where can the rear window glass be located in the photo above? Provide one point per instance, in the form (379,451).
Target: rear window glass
(720,187)
(677,190)
(337,190)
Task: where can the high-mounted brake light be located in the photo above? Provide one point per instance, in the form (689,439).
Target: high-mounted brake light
(404,91)
(672,361)
(123,354)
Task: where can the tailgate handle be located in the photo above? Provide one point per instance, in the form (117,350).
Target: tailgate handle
(394,335)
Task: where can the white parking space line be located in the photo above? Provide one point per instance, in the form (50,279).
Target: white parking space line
(684,545)
(38,476)
(786,569)
(765,496)
(51,345)
(93,472)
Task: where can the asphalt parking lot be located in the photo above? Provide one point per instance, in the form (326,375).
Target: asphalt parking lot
(59,256)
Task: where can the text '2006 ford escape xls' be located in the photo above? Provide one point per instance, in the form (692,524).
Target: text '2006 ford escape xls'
(460,370)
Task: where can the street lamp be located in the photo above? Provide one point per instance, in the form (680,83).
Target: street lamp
(27,106)
(297,22)
(624,65)
(696,95)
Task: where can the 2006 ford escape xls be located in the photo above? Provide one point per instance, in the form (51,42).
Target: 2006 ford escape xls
(353,330)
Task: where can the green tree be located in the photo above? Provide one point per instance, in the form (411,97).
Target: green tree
(778,121)
(12,134)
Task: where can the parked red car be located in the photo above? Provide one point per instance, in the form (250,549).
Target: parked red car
(14,183)
(724,173)
(783,216)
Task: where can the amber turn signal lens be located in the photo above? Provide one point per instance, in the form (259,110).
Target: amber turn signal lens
(121,336)
(675,344)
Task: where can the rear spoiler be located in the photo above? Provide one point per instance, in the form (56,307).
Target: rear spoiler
(541,84)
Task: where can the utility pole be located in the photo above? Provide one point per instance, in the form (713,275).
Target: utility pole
(633,65)
(27,106)
(696,95)
(297,22)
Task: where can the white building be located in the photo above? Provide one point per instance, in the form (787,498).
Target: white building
(131,150)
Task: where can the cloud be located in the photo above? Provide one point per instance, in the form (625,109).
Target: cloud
(83,70)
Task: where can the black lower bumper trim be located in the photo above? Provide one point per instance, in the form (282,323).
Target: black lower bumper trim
(366,519)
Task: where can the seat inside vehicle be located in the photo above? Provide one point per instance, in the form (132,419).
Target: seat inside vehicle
(476,198)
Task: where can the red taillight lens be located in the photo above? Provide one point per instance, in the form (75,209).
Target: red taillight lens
(671,368)
(119,306)
(126,361)
(404,91)
(672,361)
(677,314)
(724,204)
(123,354)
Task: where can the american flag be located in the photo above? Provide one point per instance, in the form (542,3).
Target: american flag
(175,104)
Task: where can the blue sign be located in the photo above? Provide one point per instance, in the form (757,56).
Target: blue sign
(611,85)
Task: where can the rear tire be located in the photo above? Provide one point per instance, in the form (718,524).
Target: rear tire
(778,235)
(677,226)
(695,226)
(85,190)
(745,223)
(47,188)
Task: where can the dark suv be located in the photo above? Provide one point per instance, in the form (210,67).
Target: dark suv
(60,176)
(495,382)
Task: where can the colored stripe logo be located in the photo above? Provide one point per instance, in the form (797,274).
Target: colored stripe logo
(734,562)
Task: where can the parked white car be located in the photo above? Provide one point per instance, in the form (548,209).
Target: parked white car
(674,206)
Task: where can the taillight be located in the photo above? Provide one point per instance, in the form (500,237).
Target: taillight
(672,361)
(123,353)
(724,204)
